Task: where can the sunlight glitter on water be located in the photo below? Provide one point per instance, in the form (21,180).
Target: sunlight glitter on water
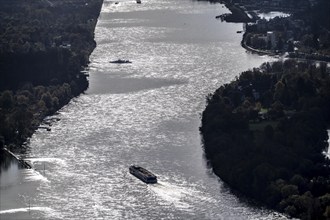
(145,113)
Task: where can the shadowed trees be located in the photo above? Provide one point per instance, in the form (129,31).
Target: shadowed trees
(44,46)
(265,133)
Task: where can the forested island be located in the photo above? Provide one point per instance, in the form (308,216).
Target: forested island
(265,134)
(44,48)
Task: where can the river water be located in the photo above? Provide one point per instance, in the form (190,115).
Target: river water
(145,113)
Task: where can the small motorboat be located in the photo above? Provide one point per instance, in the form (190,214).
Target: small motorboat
(138,1)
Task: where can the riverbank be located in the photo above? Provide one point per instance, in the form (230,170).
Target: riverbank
(44,49)
(257,51)
(237,15)
(265,133)
(302,34)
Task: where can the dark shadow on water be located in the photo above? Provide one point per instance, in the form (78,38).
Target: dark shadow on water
(116,85)
(7,160)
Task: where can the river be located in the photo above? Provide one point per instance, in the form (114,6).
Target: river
(145,113)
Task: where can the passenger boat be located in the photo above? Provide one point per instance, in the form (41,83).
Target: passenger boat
(143,174)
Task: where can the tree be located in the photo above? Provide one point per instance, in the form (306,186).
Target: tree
(6,99)
(47,99)
(289,190)
(279,91)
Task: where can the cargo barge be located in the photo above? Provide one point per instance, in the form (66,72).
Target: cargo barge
(143,174)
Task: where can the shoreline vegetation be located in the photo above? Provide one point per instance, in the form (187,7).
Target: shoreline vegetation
(265,133)
(44,48)
(305,34)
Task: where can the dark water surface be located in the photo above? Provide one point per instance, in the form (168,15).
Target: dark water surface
(145,113)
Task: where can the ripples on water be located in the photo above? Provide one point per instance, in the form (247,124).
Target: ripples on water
(144,113)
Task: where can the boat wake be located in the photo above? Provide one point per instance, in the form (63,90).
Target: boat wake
(33,175)
(182,197)
(46,159)
(28,209)
(171,194)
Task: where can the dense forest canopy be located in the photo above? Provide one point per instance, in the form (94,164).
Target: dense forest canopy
(265,134)
(44,46)
(44,42)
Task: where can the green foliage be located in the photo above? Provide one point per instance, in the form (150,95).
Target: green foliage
(41,41)
(22,111)
(275,157)
(6,99)
(46,44)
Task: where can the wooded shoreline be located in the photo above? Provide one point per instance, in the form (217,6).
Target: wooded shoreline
(44,48)
(264,133)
